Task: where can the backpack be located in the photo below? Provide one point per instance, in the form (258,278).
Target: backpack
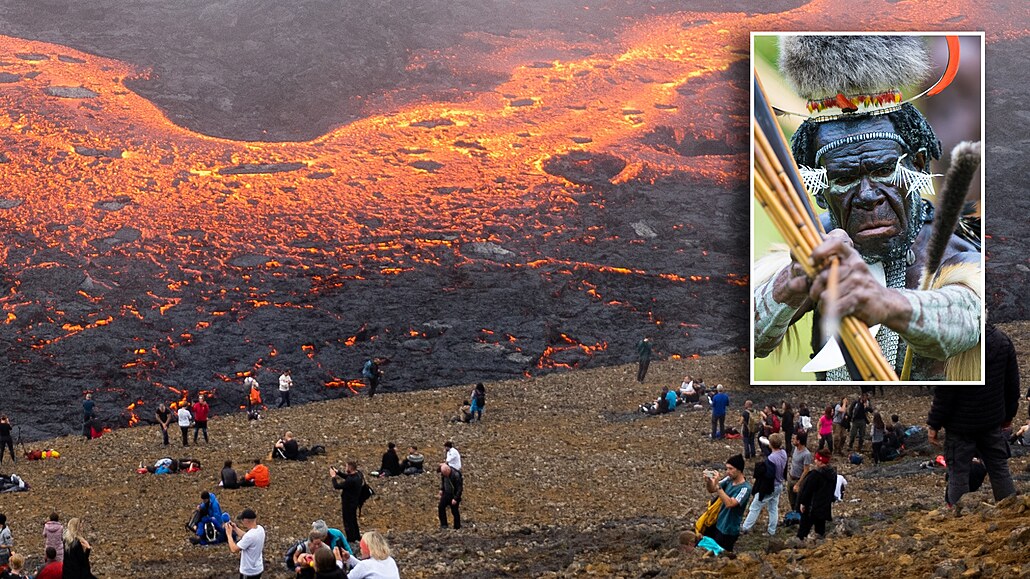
(369,369)
(365,494)
(317,450)
(765,479)
(709,517)
(792,518)
(296,548)
(754,423)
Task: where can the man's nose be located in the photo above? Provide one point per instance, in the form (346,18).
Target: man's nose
(868,196)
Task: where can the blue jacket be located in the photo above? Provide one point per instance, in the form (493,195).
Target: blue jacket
(671,397)
(720,402)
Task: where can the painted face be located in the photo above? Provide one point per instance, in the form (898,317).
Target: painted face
(863,198)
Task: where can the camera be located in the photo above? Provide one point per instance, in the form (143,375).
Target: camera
(709,473)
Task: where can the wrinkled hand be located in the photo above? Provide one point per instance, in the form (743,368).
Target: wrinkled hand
(792,285)
(858,294)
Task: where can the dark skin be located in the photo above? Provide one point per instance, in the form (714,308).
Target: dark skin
(871,213)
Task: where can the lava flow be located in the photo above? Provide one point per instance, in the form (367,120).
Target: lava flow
(586,200)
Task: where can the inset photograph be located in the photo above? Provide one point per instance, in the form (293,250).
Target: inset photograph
(867,204)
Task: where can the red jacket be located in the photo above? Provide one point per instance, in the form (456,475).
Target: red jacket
(200,411)
(52,570)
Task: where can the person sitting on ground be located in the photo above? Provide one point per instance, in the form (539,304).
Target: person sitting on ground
(1022,435)
(391,464)
(52,567)
(333,537)
(206,522)
(414,463)
(230,479)
(257,477)
(288,448)
(464,413)
(688,393)
(326,564)
(304,554)
(670,398)
(376,560)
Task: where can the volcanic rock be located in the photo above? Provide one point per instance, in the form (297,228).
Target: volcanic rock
(90,152)
(260,168)
(32,56)
(70,92)
(489,250)
(70,59)
(585,168)
(427,166)
(6,77)
(642,229)
(10,203)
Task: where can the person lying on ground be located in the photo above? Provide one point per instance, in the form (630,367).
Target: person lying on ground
(464,413)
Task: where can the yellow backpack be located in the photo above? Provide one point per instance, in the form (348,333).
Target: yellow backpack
(708,518)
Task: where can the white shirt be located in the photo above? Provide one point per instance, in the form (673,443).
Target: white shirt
(453,458)
(687,387)
(250,382)
(842,483)
(373,568)
(252,545)
(184,416)
(285,383)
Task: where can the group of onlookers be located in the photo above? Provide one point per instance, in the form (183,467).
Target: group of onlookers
(65,549)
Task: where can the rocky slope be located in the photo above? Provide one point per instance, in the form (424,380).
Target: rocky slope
(563,478)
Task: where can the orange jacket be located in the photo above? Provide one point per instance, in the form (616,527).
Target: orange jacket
(255,396)
(258,474)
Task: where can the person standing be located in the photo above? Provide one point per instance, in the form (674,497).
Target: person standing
(285,384)
(826,429)
(453,458)
(164,418)
(777,462)
(184,418)
(6,541)
(349,485)
(478,401)
(841,425)
(643,358)
(720,402)
(859,415)
(200,415)
(451,486)
(734,492)
(6,438)
(253,393)
(88,414)
(800,463)
(876,436)
(815,501)
(747,433)
(250,546)
(372,373)
(76,552)
(53,535)
(973,418)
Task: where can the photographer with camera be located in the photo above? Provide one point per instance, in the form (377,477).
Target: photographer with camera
(734,493)
(250,545)
(349,483)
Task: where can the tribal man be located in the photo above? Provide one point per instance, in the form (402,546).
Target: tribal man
(865,159)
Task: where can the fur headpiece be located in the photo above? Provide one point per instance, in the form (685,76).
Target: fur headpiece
(850,72)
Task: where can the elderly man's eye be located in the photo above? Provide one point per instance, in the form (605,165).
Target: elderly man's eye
(845,180)
(883,172)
